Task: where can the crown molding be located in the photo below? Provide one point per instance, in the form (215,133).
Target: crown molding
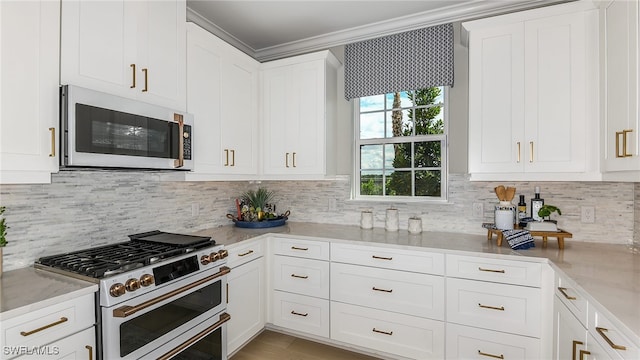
(459,12)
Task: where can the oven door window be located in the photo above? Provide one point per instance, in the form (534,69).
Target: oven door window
(208,348)
(111,132)
(143,329)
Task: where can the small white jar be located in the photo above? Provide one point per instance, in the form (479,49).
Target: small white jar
(391,223)
(366,219)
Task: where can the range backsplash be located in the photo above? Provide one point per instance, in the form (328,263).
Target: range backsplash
(89,208)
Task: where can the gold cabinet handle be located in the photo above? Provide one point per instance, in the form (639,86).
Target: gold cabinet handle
(300,276)
(299,248)
(53,142)
(602,332)
(382,332)
(90,351)
(381,257)
(583,353)
(618,134)
(146,80)
(624,142)
(382,290)
(574,348)
(227,293)
(299,314)
(564,292)
(286,159)
(233,157)
(501,356)
(179,162)
(247,253)
(491,270)
(27,333)
(133,75)
(530,151)
(294,159)
(226,156)
(518,151)
(501,308)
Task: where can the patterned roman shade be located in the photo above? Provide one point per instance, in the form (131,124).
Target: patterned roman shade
(400,62)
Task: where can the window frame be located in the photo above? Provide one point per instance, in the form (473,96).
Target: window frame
(444,168)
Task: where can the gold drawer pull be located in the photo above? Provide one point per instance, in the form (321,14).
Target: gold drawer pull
(146,80)
(133,73)
(501,308)
(52,153)
(382,332)
(383,290)
(491,270)
(90,351)
(564,292)
(530,151)
(518,151)
(602,331)
(226,157)
(247,253)
(491,355)
(583,353)
(299,314)
(27,333)
(300,276)
(382,258)
(299,248)
(286,160)
(573,350)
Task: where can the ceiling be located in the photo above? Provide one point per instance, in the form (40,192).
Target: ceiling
(268,30)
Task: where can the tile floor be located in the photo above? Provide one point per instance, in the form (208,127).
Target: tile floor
(272,345)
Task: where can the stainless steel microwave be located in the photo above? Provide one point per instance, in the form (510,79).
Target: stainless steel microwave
(107,131)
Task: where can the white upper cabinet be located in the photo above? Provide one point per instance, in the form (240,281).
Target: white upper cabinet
(298,116)
(135,49)
(621,132)
(533,95)
(29,68)
(222,94)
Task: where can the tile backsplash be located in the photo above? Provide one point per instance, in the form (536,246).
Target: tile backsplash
(85,208)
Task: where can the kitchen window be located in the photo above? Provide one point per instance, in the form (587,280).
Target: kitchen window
(401,146)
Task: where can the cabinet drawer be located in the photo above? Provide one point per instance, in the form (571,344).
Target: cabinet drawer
(308,249)
(611,337)
(464,342)
(398,291)
(398,334)
(80,345)
(496,270)
(573,298)
(301,313)
(507,308)
(242,253)
(397,259)
(51,323)
(301,276)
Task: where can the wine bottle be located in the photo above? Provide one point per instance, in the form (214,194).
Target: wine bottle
(522,209)
(536,204)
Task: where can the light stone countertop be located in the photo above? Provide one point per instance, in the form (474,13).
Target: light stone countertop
(28,289)
(610,274)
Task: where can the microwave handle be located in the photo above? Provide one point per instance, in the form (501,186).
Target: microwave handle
(179,162)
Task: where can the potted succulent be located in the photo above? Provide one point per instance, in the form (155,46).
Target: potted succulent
(3,235)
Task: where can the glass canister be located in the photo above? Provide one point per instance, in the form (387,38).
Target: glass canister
(505,215)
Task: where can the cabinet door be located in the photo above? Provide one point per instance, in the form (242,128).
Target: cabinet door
(622,149)
(496,99)
(277,108)
(245,303)
(556,117)
(79,346)
(29,93)
(97,49)
(569,335)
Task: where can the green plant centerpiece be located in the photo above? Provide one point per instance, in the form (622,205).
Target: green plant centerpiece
(256,205)
(3,228)
(546,211)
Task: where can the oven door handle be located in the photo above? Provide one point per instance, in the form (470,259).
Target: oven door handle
(224,317)
(127,310)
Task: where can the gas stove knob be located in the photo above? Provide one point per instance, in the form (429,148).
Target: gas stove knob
(223,254)
(117,290)
(132,285)
(214,257)
(146,280)
(205,259)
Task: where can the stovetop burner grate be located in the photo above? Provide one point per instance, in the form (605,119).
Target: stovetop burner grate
(117,258)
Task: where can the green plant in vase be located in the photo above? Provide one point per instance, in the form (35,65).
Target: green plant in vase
(257,202)
(546,210)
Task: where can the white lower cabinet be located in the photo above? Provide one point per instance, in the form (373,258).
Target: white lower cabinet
(301,276)
(245,303)
(301,313)
(391,333)
(78,346)
(465,342)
